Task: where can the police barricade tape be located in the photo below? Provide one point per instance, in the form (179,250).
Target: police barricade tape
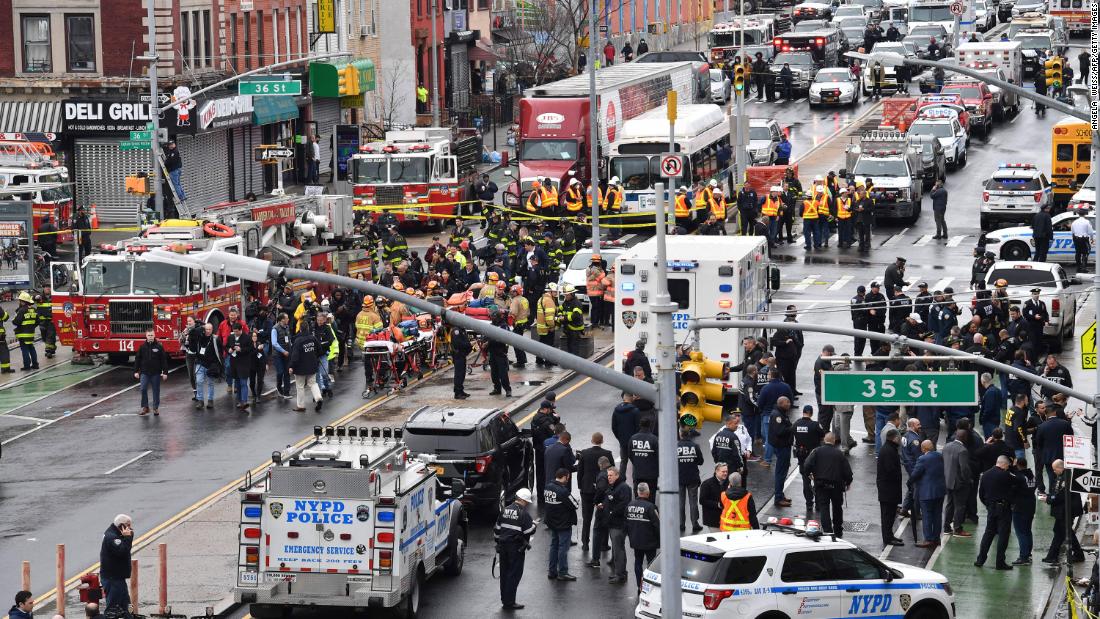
(397,207)
(1078,608)
(522,216)
(120,229)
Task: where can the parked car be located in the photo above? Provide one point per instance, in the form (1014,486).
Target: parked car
(1052,279)
(834,87)
(764,135)
(720,87)
(1015,243)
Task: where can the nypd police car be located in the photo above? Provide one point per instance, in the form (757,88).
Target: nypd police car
(944,124)
(1016,243)
(778,574)
(1015,192)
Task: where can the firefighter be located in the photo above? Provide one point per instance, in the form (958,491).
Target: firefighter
(519,309)
(613,205)
(460,232)
(572,318)
(367,321)
(608,283)
(594,289)
(534,199)
(546,321)
(682,208)
(395,248)
(574,197)
(26,321)
(44,305)
(5,354)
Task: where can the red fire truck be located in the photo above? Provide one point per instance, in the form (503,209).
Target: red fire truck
(30,171)
(417,176)
(106,305)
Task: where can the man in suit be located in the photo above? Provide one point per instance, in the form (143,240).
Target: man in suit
(588,468)
(560,455)
(928,479)
(957,476)
(888,483)
(710,499)
(1048,441)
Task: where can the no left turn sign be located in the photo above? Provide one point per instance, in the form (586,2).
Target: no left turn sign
(957,8)
(672,166)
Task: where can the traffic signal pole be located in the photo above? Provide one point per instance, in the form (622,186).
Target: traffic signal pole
(154,144)
(593,130)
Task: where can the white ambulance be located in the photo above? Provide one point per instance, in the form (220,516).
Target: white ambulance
(708,277)
(352,520)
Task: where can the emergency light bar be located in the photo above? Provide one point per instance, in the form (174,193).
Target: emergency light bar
(884,135)
(1017,166)
(938,113)
(682,265)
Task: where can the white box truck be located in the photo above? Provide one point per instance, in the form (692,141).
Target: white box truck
(708,277)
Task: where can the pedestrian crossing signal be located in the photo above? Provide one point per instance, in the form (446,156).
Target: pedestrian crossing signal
(739,77)
(1053,71)
(695,391)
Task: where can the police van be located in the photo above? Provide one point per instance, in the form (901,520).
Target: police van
(351,520)
(776,574)
(708,277)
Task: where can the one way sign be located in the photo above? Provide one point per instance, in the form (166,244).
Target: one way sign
(1086,481)
(267,153)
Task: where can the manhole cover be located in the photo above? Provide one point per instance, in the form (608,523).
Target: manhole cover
(857,526)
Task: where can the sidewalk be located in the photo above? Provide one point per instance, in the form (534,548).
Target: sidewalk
(202,544)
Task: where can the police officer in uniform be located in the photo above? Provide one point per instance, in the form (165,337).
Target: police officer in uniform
(727,447)
(643,454)
(561,516)
(996,490)
(859,317)
(688,460)
(807,437)
(1036,317)
(832,475)
(460,349)
(643,527)
(513,531)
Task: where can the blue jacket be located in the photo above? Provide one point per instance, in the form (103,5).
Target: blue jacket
(625,422)
(784,150)
(114,555)
(770,393)
(992,405)
(15,613)
(558,456)
(1048,438)
(910,451)
(928,477)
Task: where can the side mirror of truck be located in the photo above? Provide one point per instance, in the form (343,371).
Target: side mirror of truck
(773,278)
(458,488)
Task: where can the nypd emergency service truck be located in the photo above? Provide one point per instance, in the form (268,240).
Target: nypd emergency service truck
(352,520)
(708,277)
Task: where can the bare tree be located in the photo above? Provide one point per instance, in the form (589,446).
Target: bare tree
(392,102)
(553,30)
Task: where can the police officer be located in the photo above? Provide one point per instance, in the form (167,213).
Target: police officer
(542,428)
(643,527)
(114,564)
(997,490)
(1036,317)
(859,317)
(26,321)
(727,447)
(5,354)
(910,451)
(832,475)
(513,531)
(498,361)
(688,460)
(876,310)
(561,516)
(807,437)
(460,349)
(1060,493)
(643,454)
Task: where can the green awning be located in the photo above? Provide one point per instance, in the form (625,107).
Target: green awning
(267,110)
(324,77)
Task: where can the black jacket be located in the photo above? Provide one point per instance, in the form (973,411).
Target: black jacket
(114,554)
(151,358)
(305,355)
(829,465)
(643,455)
(558,456)
(1041,225)
(588,467)
(643,525)
(1048,438)
(997,488)
(727,448)
(614,506)
(710,501)
(807,437)
(780,430)
(240,361)
(688,459)
(542,428)
(514,526)
(561,507)
(888,475)
(460,342)
(206,349)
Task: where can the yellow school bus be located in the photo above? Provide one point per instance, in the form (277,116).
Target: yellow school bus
(1070,153)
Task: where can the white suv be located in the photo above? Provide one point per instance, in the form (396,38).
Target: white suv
(1015,192)
(777,574)
(1053,281)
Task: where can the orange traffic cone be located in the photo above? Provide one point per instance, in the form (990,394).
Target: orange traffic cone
(95,218)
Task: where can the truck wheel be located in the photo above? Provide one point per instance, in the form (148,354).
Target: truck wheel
(456,553)
(410,604)
(268,611)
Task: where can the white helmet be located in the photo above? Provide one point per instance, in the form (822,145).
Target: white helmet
(614,180)
(713,182)
(819,179)
(574,182)
(523,494)
(776,189)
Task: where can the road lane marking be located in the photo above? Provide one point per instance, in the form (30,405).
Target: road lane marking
(913,281)
(890,242)
(23,418)
(956,240)
(106,370)
(943,283)
(898,532)
(130,461)
(531,415)
(840,283)
(922,241)
(805,283)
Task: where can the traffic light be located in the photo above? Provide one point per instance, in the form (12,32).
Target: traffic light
(739,77)
(349,81)
(1053,71)
(695,391)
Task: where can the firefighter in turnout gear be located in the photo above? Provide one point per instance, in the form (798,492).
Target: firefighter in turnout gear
(513,531)
(367,321)
(26,321)
(546,321)
(574,197)
(5,354)
(395,248)
(460,232)
(44,307)
(572,319)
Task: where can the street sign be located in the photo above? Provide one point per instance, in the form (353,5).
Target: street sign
(672,165)
(265,153)
(603,28)
(958,8)
(270,87)
(141,136)
(134,145)
(896,388)
(1085,481)
(1075,452)
(1088,348)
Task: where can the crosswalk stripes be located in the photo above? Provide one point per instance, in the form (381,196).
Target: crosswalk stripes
(895,239)
(805,283)
(847,283)
(922,241)
(943,283)
(955,241)
(914,279)
(899,238)
(840,283)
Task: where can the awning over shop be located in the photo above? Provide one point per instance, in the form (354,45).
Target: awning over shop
(481,52)
(30,116)
(267,110)
(341,79)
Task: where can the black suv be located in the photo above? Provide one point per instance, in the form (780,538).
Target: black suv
(481,446)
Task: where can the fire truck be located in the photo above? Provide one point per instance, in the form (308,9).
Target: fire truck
(30,171)
(418,176)
(352,520)
(106,305)
(756,31)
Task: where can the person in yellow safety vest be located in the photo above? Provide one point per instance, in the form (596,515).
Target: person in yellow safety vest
(5,354)
(307,300)
(367,321)
(770,208)
(574,196)
(613,202)
(823,197)
(703,195)
(546,320)
(845,238)
(593,282)
(738,507)
(519,308)
(682,208)
(26,321)
(608,283)
(549,196)
(717,205)
(534,200)
(810,217)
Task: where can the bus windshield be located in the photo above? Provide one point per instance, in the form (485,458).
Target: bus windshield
(1034,41)
(919,14)
(409,169)
(159,279)
(542,150)
(880,166)
(369,171)
(106,278)
(635,172)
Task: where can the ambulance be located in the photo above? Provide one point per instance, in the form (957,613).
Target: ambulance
(352,520)
(708,277)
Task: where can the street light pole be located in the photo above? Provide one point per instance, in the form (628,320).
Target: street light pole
(435,69)
(154,113)
(593,130)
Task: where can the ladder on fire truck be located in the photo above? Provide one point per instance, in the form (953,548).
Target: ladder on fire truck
(25,154)
(181,207)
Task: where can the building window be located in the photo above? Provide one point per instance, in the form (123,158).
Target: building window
(247,40)
(286,35)
(185,38)
(196,39)
(483,5)
(36,44)
(260,39)
(206,40)
(80,44)
(233,43)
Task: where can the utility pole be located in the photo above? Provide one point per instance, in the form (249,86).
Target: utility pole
(667,215)
(435,70)
(154,144)
(738,106)
(668,494)
(593,130)
(1094,172)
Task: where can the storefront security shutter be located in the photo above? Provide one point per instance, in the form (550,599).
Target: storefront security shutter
(460,77)
(247,174)
(205,177)
(101,171)
(327,114)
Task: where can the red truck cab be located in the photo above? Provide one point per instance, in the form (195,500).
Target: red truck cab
(977,99)
(553,141)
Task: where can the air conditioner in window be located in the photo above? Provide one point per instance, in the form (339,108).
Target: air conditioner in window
(366,30)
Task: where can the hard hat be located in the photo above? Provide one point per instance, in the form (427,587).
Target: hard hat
(325,303)
(368,301)
(819,179)
(569,289)
(717,191)
(614,180)
(551,287)
(517,290)
(26,297)
(523,494)
(595,258)
(713,182)
(682,190)
(493,276)
(399,287)
(776,188)
(501,285)
(574,182)
(535,183)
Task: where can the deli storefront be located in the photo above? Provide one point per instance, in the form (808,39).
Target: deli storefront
(208,133)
